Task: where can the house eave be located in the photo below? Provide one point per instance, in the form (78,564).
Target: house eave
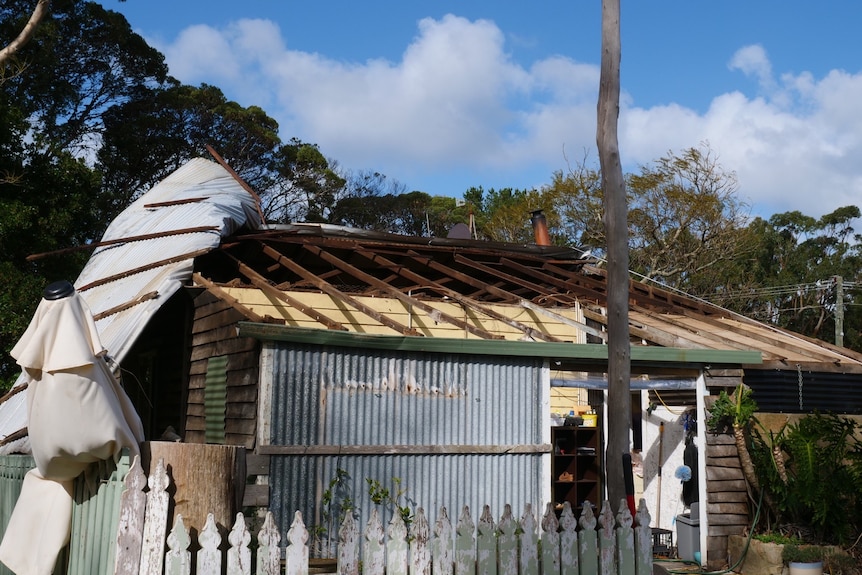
(586,353)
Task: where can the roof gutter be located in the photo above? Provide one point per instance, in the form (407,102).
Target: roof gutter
(587,352)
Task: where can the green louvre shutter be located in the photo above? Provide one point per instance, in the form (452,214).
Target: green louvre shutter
(215,399)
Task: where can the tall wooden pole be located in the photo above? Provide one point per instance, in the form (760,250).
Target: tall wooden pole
(619,407)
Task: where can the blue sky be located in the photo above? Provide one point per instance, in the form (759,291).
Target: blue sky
(442,96)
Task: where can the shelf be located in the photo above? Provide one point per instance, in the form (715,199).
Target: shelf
(576,454)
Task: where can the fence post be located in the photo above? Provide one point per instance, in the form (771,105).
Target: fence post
(420,555)
(297,548)
(487,543)
(374,553)
(348,546)
(238,555)
(178,560)
(625,540)
(130,531)
(268,550)
(209,555)
(507,543)
(442,553)
(396,547)
(156,522)
(550,542)
(465,544)
(607,542)
(643,540)
(588,554)
(529,543)
(568,541)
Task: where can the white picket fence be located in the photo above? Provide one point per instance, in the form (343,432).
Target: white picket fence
(603,545)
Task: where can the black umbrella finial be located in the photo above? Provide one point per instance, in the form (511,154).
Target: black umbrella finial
(58,290)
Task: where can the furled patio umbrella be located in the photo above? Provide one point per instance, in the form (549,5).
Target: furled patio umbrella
(77,414)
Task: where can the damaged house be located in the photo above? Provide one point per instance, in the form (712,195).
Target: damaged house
(434,367)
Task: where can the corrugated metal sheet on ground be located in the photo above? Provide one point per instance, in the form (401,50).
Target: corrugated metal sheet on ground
(224,205)
(339,396)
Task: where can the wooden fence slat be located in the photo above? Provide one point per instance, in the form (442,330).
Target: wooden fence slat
(507,543)
(374,552)
(622,544)
(396,548)
(442,552)
(465,544)
(209,555)
(156,522)
(607,542)
(550,542)
(296,554)
(178,560)
(268,550)
(529,543)
(420,554)
(625,540)
(588,558)
(568,541)
(348,546)
(130,531)
(239,555)
(486,544)
(643,540)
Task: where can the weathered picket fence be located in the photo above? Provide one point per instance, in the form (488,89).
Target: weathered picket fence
(590,545)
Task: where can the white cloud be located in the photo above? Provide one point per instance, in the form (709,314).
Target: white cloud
(456,100)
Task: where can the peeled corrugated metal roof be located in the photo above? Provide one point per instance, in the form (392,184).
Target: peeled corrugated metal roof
(125,283)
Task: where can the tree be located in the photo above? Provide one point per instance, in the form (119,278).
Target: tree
(685,218)
(504,215)
(790,275)
(152,135)
(613,184)
(305,187)
(686,223)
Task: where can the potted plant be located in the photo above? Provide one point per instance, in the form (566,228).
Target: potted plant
(803,559)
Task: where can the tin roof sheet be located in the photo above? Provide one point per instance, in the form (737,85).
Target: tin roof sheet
(149,254)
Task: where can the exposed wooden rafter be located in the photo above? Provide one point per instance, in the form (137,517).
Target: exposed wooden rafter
(434,313)
(331,290)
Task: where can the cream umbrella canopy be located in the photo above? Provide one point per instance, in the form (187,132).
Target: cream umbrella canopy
(77,414)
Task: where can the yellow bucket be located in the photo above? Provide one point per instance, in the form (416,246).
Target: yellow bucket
(590,419)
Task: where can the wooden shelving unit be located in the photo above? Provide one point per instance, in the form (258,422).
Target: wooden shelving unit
(576,467)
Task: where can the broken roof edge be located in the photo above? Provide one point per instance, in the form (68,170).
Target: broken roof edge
(552,350)
(346,232)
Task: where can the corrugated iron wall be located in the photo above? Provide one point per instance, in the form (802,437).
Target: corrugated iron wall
(340,396)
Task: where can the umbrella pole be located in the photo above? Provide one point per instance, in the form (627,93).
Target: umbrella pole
(658,494)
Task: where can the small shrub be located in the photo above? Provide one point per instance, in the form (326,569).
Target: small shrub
(802,553)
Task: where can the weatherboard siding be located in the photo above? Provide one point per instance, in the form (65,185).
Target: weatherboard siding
(214,335)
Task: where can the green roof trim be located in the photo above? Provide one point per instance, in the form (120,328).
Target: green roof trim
(550,350)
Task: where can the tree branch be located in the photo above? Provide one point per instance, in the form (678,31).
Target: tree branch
(42,8)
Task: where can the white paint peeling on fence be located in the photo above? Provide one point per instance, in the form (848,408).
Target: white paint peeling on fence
(622,544)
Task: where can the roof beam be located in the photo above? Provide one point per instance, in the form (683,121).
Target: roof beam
(434,313)
(227,298)
(454,295)
(332,291)
(503,275)
(260,282)
(469,280)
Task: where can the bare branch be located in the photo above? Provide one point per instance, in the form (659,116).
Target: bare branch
(42,8)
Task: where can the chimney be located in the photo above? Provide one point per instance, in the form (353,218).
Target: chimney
(540,228)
